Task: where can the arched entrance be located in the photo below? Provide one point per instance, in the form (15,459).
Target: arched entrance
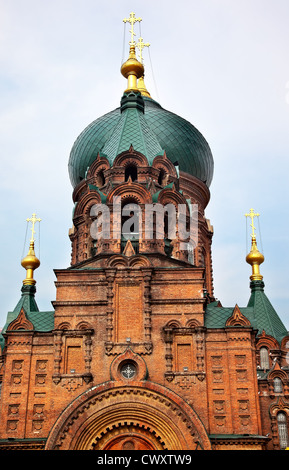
(137,416)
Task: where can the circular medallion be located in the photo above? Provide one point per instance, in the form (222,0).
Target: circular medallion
(128,370)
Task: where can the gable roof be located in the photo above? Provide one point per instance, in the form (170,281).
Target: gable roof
(40,321)
(259,311)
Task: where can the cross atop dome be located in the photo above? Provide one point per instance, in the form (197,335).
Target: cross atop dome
(132,20)
(140,45)
(132,69)
(33,220)
(252,215)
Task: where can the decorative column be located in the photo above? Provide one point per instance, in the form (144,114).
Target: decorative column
(87,377)
(147,275)
(110,276)
(169,375)
(200,341)
(57,355)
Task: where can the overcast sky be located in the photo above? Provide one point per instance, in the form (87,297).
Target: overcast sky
(221,64)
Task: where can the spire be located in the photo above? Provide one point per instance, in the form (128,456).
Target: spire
(254,258)
(265,317)
(30,262)
(27,305)
(132,69)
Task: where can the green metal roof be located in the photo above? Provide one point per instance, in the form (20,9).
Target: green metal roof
(265,315)
(217,316)
(132,129)
(41,321)
(27,300)
(259,312)
(152,132)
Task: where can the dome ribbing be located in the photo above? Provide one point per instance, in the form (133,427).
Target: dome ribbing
(180,140)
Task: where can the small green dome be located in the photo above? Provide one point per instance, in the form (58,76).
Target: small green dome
(180,140)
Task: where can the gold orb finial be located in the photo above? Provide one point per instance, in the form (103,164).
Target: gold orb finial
(254,258)
(132,69)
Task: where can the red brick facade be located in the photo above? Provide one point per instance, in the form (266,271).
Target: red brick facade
(124,308)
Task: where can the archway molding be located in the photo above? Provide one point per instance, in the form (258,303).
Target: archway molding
(114,409)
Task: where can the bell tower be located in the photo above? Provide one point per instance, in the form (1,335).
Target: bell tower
(133,301)
(135,201)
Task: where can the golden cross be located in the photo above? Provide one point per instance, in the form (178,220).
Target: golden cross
(140,45)
(252,215)
(33,220)
(132,20)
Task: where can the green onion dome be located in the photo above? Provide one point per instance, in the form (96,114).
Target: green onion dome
(181,141)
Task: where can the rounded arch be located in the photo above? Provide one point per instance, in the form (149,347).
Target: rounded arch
(277,372)
(139,261)
(161,162)
(64,326)
(131,193)
(285,343)
(281,405)
(117,261)
(107,411)
(173,324)
(84,206)
(193,323)
(168,195)
(100,164)
(83,325)
(131,157)
(267,341)
(131,438)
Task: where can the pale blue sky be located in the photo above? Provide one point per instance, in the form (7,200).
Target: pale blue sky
(221,64)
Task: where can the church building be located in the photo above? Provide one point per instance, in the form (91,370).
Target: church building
(136,352)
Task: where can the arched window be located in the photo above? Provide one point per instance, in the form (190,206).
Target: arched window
(162,178)
(277,385)
(282,430)
(130,224)
(130,171)
(264,358)
(100,179)
(166,225)
(168,247)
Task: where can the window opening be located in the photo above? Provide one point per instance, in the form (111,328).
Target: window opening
(100,179)
(283,431)
(128,370)
(131,171)
(277,385)
(264,358)
(130,225)
(161,178)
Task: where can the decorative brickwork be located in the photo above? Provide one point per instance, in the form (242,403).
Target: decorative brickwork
(138,354)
